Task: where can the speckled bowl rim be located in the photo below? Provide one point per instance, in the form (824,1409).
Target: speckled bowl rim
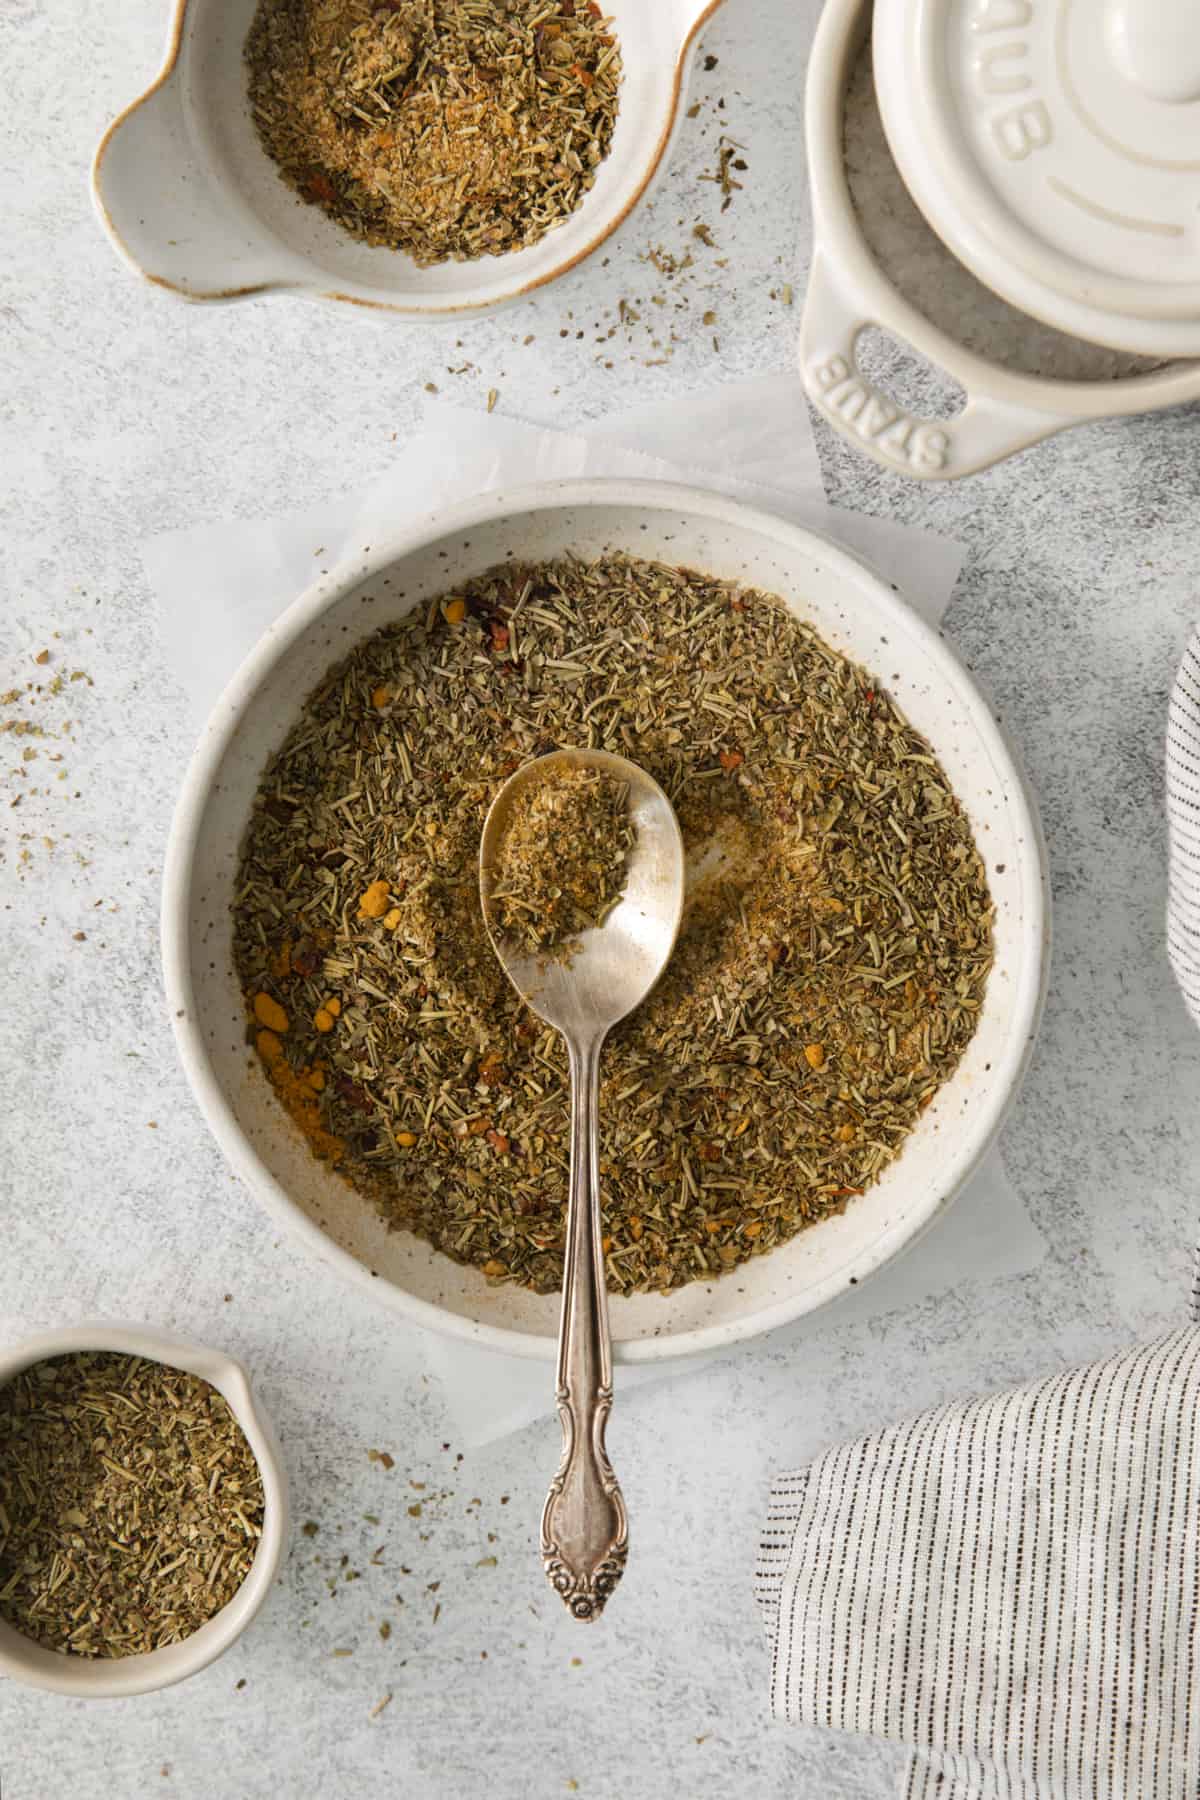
(240,695)
(118,1678)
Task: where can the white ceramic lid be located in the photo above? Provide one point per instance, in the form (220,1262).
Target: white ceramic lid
(1054,146)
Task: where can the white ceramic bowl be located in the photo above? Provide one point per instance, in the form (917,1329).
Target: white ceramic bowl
(192,202)
(848,293)
(858,613)
(85,1678)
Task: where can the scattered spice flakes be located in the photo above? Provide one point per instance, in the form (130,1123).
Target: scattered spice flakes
(845,905)
(728,158)
(449,131)
(493,396)
(131,1505)
(562,857)
(383,1457)
(310,1528)
(379,1706)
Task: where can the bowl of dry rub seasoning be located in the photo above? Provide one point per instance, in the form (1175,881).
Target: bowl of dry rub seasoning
(423,157)
(143,1509)
(857,979)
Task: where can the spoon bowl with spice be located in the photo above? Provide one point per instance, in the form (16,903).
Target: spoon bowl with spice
(143,1509)
(581,879)
(414,157)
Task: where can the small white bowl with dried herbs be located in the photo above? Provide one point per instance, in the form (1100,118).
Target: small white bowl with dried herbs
(416,158)
(143,1509)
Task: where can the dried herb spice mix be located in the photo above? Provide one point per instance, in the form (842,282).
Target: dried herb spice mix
(828,975)
(131,1505)
(561,862)
(447,128)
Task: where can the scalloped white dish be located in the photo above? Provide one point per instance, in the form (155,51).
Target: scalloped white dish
(858,613)
(193,203)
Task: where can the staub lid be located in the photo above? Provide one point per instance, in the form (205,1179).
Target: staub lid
(1054,146)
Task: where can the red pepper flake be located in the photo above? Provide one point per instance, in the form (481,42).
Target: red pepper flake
(583,76)
(306,958)
(318,187)
(352,1093)
(731,759)
(500,636)
(499,1142)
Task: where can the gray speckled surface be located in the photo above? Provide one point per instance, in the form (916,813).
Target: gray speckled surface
(122,414)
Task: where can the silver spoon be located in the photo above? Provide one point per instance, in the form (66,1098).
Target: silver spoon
(584,1526)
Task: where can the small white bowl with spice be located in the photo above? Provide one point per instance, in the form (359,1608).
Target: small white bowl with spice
(346,1135)
(143,1509)
(306,147)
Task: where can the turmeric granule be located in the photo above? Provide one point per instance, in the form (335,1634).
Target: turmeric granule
(295,1089)
(374,903)
(268,1012)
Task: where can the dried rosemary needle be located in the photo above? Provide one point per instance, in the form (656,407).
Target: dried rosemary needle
(131,1505)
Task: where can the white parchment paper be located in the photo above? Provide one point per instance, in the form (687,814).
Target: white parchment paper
(219,586)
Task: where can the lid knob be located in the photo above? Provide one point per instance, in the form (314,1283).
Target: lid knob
(1155,45)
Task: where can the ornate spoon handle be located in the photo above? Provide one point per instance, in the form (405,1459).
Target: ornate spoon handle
(584,1527)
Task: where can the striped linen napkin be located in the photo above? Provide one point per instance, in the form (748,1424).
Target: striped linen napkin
(1183,819)
(1010,1586)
